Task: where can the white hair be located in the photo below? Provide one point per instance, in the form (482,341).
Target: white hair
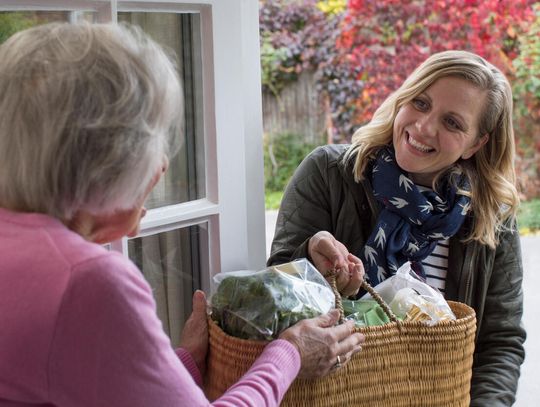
(87,114)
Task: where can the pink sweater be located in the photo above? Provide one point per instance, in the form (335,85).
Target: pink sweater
(78,327)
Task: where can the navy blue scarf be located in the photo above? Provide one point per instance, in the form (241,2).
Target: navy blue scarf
(410,222)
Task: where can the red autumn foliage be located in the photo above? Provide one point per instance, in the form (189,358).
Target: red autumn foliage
(389,38)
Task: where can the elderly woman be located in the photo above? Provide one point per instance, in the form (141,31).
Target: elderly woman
(86,118)
(429,180)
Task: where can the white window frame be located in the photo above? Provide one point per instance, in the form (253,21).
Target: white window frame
(233,207)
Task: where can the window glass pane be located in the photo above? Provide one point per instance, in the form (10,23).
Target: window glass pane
(171,262)
(13,21)
(185,179)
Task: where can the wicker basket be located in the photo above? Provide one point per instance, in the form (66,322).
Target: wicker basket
(401,364)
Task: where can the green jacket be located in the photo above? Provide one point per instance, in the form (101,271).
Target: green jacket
(322,195)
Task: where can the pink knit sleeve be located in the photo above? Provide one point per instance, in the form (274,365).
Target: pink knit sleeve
(268,379)
(109,349)
(189,363)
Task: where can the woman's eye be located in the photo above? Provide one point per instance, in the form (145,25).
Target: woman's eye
(420,104)
(453,124)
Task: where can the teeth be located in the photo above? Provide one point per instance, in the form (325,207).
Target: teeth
(419,146)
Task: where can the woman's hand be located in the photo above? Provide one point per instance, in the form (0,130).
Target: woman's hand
(327,253)
(320,343)
(195,333)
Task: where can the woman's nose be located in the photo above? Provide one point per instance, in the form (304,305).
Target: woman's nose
(426,125)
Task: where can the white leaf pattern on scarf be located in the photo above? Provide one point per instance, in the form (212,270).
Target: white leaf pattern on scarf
(466,207)
(427,208)
(399,202)
(380,238)
(405,182)
(381,274)
(370,253)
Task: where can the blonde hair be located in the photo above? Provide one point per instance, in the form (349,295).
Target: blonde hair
(494,197)
(87,114)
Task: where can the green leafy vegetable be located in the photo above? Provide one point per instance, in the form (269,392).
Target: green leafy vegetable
(260,306)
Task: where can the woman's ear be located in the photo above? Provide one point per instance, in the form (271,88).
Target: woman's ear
(103,229)
(113,226)
(475,147)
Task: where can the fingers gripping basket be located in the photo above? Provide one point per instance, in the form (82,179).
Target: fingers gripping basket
(401,364)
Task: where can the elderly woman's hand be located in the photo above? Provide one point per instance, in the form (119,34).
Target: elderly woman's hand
(323,347)
(195,333)
(327,253)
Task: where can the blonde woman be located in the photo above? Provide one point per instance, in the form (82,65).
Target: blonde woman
(429,180)
(87,118)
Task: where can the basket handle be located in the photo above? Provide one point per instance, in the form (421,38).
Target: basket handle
(331,276)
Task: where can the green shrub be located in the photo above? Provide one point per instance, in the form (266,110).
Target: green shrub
(529,215)
(282,154)
(11,22)
(526,89)
(272,199)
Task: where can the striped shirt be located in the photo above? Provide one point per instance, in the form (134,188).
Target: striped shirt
(436,266)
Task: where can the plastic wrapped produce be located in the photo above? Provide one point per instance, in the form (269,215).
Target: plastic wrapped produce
(261,304)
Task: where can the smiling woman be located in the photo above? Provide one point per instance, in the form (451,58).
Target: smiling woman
(429,180)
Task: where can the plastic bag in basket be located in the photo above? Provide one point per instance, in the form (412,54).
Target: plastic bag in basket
(411,299)
(261,304)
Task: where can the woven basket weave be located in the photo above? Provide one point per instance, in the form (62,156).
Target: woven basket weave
(401,364)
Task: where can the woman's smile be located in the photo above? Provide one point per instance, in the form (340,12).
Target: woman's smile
(418,146)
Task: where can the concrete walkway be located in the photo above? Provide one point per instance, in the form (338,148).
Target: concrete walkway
(529,384)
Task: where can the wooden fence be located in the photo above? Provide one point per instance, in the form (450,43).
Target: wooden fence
(298,109)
